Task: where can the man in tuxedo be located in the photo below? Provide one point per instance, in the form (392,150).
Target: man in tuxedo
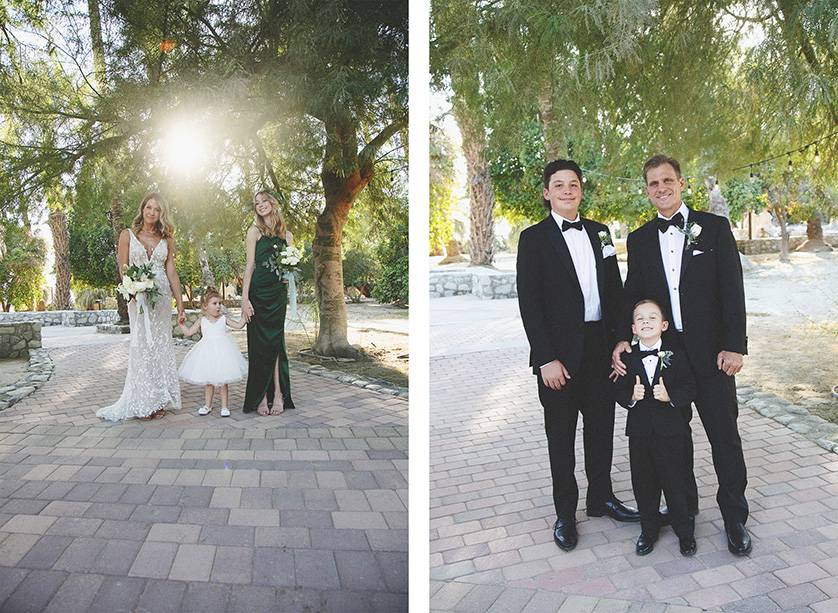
(568,291)
(687,262)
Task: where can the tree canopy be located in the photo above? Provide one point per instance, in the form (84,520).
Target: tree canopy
(207,102)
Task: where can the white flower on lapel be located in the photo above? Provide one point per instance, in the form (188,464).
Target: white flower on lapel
(664,357)
(606,244)
(691,232)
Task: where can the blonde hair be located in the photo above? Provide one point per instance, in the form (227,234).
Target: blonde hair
(209,293)
(275,226)
(164,227)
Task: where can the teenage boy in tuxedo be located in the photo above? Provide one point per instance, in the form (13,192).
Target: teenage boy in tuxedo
(656,388)
(569,292)
(687,261)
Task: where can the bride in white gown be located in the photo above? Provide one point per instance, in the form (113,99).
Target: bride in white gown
(151,382)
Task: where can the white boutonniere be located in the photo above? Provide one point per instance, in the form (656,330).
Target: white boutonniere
(606,244)
(664,357)
(692,232)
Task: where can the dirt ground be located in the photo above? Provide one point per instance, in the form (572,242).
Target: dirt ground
(793,329)
(385,352)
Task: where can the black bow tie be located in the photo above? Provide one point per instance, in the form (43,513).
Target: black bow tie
(677,221)
(576,225)
(646,354)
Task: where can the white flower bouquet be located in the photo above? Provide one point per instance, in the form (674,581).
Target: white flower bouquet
(137,279)
(285,263)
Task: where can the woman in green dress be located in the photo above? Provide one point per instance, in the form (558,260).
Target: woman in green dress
(264,300)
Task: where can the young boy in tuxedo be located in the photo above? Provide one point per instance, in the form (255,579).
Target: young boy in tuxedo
(657,390)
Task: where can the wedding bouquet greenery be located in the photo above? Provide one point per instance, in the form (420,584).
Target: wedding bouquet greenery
(137,279)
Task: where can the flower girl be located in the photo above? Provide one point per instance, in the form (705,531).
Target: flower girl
(215,360)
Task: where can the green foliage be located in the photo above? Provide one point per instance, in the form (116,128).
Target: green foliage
(86,298)
(21,268)
(92,251)
(392,255)
(442,186)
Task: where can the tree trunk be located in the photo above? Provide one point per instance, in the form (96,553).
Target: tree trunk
(61,245)
(780,213)
(481,195)
(814,235)
(116,224)
(718,203)
(341,192)
(547,119)
(207,278)
(96,41)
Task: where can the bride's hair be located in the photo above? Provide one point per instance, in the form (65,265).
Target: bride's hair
(275,224)
(209,292)
(164,226)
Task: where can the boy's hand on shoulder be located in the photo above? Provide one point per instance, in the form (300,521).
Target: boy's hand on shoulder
(639,390)
(660,393)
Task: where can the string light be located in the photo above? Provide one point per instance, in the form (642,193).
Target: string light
(750,165)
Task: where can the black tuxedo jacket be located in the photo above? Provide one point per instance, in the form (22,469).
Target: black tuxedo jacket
(711,289)
(650,416)
(550,298)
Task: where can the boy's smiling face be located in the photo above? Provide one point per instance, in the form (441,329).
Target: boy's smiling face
(648,323)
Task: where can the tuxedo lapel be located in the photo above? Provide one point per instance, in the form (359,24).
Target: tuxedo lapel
(596,245)
(653,243)
(688,251)
(559,244)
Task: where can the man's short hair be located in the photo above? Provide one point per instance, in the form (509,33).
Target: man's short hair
(660,160)
(552,168)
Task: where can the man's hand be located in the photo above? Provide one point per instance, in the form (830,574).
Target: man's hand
(730,362)
(639,391)
(554,375)
(660,393)
(616,363)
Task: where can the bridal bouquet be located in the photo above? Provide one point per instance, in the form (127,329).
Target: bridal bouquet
(285,263)
(137,280)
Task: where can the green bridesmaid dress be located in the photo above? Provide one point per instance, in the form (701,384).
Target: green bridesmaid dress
(266,329)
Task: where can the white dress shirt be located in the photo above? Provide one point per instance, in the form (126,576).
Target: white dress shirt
(584,262)
(672,253)
(650,362)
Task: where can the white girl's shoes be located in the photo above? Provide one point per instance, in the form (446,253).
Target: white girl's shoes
(225,412)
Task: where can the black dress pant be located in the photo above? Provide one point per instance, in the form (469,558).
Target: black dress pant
(718,409)
(657,464)
(590,393)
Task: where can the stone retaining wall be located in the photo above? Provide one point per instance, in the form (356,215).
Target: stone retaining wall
(62,318)
(484,283)
(756,246)
(18,339)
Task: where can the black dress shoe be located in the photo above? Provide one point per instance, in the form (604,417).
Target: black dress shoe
(645,544)
(666,516)
(564,533)
(688,546)
(616,510)
(738,540)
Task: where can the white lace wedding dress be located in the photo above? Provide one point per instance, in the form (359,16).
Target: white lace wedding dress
(151,382)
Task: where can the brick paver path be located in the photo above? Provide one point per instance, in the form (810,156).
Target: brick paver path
(306,511)
(492,512)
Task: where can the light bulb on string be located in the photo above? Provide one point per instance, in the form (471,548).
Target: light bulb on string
(817,156)
(584,179)
(791,168)
(689,187)
(619,188)
(752,174)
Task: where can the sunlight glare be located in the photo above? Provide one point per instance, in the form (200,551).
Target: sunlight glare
(185,148)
